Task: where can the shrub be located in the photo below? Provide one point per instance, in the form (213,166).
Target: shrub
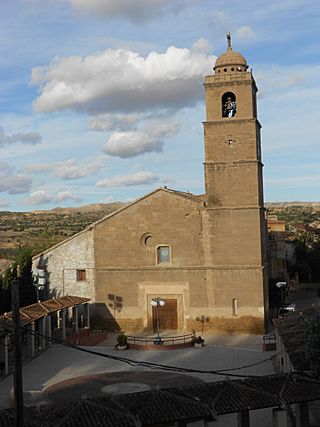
(122,339)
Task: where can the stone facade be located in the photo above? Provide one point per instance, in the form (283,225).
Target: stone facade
(277,253)
(62,263)
(204,255)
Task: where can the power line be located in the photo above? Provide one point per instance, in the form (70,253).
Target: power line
(152,365)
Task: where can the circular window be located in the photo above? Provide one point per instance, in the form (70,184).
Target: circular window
(232,69)
(225,70)
(147,240)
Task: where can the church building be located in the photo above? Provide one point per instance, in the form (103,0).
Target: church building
(203,255)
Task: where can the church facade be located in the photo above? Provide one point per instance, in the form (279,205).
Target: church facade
(203,255)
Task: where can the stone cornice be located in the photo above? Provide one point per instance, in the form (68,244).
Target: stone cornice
(184,268)
(231,121)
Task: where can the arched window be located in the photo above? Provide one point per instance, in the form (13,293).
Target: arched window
(229,104)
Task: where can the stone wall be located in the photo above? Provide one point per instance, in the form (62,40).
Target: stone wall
(61,263)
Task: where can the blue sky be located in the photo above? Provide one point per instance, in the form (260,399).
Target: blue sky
(102,100)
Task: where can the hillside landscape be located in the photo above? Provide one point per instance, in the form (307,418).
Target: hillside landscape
(41,229)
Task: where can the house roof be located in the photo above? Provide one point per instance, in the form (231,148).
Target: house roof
(230,396)
(190,196)
(160,407)
(289,388)
(36,311)
(292,329)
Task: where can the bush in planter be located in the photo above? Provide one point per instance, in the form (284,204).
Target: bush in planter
(122,340)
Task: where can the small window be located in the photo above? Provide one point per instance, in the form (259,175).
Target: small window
(163,255)
(81,275)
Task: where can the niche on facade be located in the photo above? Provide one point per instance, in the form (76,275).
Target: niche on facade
(229,104)
(147,240)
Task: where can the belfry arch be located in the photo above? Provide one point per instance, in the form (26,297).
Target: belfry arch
(228,104)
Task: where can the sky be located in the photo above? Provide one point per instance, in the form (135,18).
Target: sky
(103,100)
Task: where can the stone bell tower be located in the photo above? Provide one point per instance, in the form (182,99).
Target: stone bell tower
(235,213)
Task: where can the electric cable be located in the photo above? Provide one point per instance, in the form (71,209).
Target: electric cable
(152,365)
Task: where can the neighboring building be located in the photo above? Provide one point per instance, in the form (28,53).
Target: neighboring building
(202,254)
(276,248)
(291,335)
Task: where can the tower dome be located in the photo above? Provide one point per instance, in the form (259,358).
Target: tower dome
(230,60)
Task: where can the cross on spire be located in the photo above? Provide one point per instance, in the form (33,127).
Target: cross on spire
(229,40)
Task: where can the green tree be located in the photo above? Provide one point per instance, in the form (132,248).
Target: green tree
(23,259)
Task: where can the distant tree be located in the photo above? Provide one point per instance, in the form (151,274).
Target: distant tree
(27,290)
(5,298)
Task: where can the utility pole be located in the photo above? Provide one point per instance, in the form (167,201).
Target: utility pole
(17,351)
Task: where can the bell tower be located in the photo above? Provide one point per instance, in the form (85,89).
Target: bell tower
(233,183)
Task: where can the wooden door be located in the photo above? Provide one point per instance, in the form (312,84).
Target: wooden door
(168,316)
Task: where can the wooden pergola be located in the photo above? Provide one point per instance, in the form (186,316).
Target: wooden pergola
(46,313)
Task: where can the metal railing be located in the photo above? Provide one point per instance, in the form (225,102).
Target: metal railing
(177,339)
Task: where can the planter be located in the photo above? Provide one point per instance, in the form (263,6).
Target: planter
(198,344)
(121,347)
(122,342)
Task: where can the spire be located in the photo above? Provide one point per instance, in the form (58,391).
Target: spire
(229,41)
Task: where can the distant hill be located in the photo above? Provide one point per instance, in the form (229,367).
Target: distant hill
(43,228)
(284,205)
(95,207)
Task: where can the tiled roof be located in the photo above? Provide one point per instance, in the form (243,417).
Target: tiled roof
(229,396)
(31,418)
(160,407)
(292,330)
(87,413)
(290,388)
(36,311)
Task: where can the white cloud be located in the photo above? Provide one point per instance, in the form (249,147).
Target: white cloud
(23,137)
(38,198)
(71,169)
(11,182)
(123,81)
(121,122)
(134,11)
(202,45)
(38,167)
(137,142)
(277,79)
(42,197)
(67,195)
(245,33)
(138,178)
(108,199)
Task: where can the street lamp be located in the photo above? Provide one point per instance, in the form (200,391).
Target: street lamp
(156,303)
(202,319)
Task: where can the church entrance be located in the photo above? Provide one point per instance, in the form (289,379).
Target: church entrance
(168,316)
